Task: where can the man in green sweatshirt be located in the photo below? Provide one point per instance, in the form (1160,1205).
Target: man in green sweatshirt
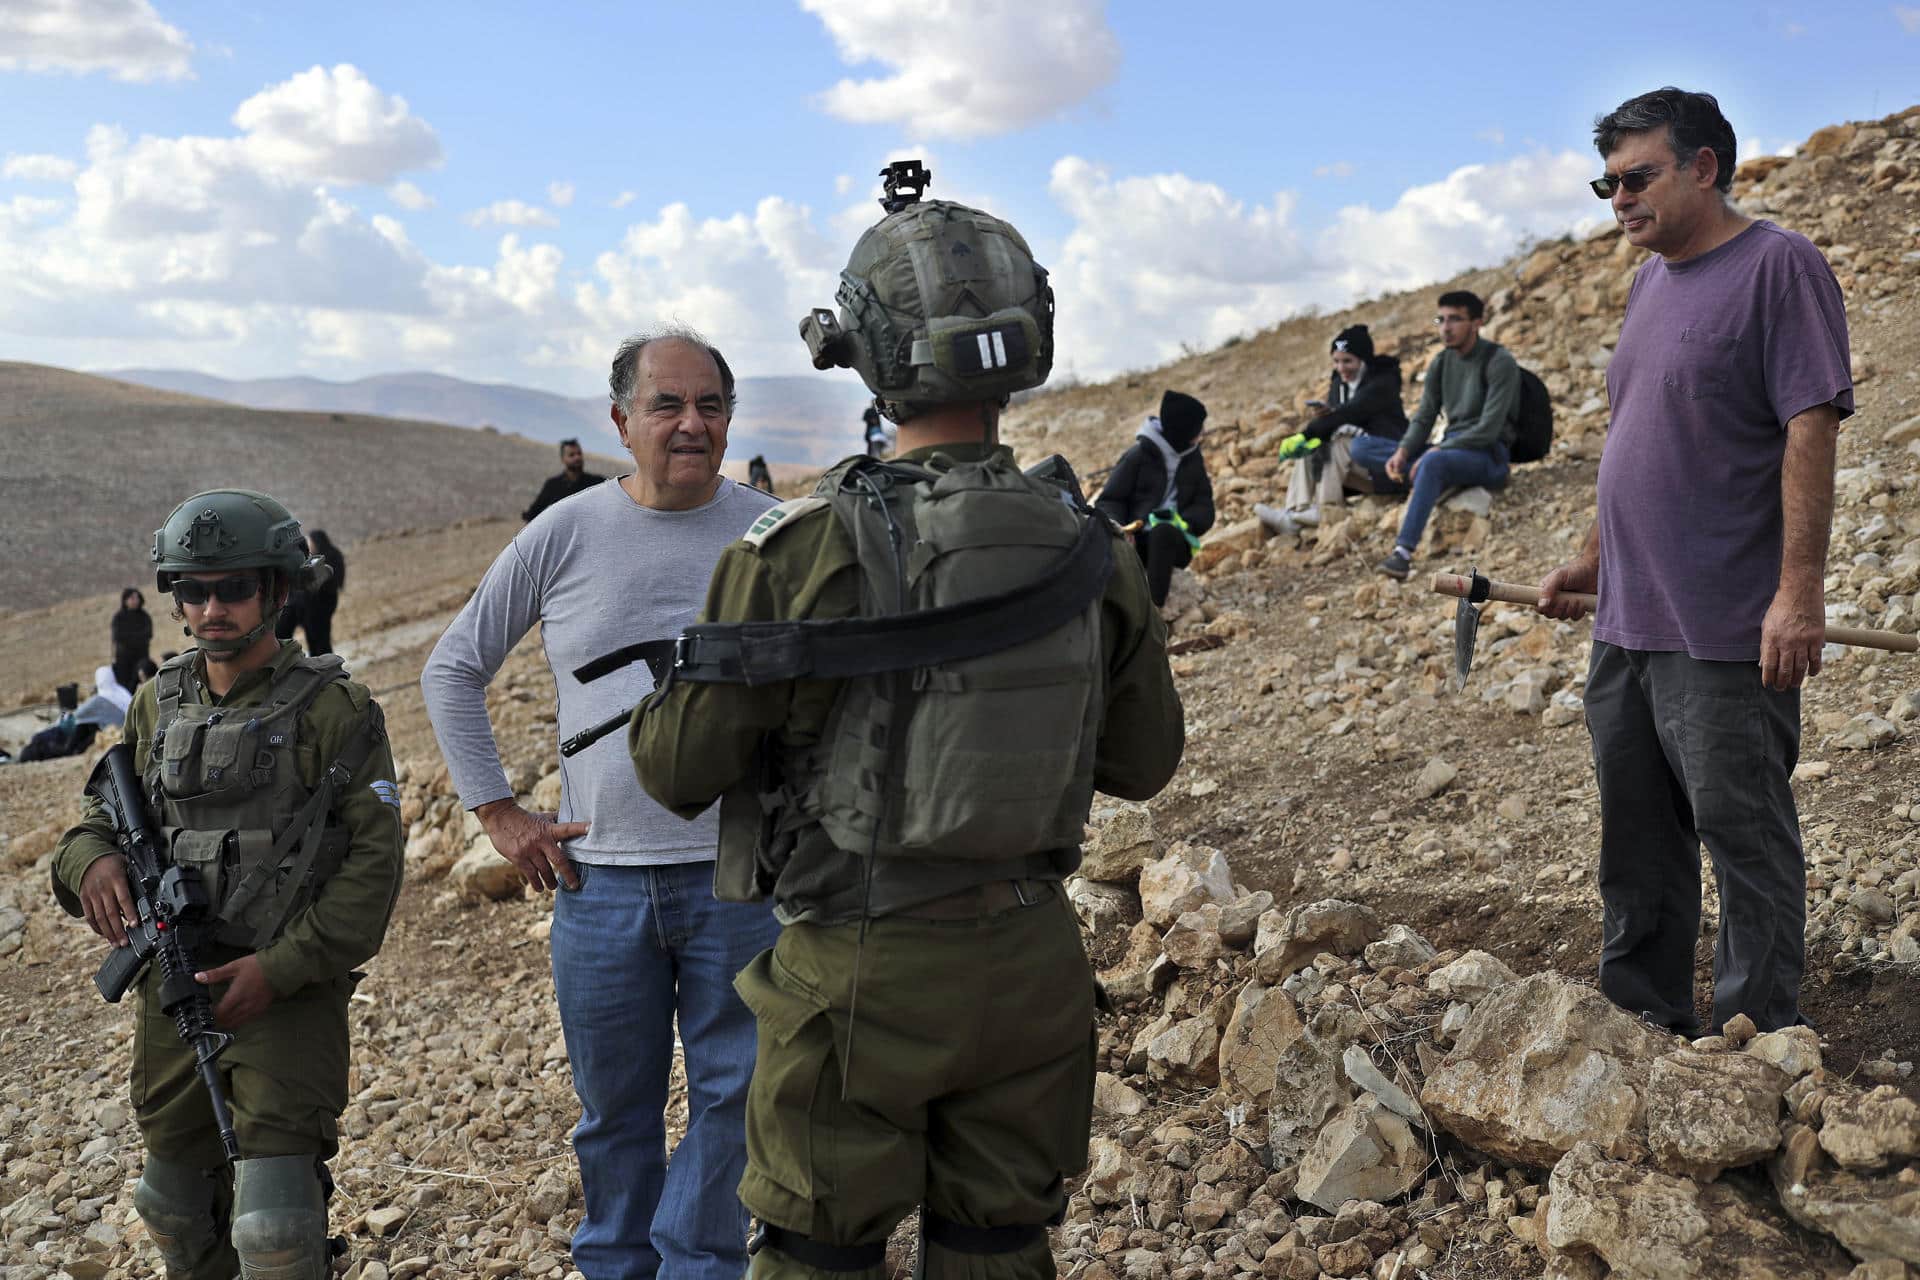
(1478,384)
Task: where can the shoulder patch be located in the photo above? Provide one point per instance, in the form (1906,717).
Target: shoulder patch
(778,517)
(388,793)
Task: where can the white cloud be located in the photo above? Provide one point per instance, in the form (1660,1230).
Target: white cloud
(512,213)
(967,68)
(124,38)
(39,168)
(410,197)
(622,200)
(335,126)
(743,280)
(842,183)
(1495,135)
(1338,169)
(1908,16)
(560,194)
(1157,263)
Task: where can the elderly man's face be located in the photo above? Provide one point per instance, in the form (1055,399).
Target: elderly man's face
(677,426)
(1664,216)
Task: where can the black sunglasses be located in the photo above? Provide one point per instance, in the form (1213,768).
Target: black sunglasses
(1634,180)
(241,586)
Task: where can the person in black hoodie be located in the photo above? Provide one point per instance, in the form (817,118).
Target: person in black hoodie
(317,617)
(1161,485)
(1363,399)
(132,630)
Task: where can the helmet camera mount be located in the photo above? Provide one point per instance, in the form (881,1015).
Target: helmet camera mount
(904,181)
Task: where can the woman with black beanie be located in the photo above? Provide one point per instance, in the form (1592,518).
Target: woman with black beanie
(132,631)
(1161,484)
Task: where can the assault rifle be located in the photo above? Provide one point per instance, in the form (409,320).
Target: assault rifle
(173,909)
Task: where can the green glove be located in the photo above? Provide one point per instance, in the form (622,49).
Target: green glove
(1297,445)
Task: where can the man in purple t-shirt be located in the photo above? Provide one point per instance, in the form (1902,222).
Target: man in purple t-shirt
(1709,554)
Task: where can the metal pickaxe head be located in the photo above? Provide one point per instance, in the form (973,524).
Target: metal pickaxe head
(1466,626)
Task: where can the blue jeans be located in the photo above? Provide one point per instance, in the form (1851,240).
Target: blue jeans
(632,948)
(1372,452)
(1444,469)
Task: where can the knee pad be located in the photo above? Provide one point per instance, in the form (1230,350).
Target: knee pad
(185,1213)
(280,1219)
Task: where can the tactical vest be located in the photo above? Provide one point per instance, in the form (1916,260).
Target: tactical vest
(230,802)
(987,757)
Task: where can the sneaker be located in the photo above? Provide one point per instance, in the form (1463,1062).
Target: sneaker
(1397,565)
(1278,522)
(1307,516)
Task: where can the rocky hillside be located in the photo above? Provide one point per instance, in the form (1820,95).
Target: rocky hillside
(1351,944)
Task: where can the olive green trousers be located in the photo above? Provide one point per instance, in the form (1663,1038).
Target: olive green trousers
(285,1074)
(960,1078)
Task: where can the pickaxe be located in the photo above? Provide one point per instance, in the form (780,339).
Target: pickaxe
(1474,591)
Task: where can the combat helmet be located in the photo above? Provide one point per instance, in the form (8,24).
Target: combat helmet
(939,303)
(228,529)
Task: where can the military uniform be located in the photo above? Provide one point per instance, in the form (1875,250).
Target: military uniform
(280,794)
(926,1024)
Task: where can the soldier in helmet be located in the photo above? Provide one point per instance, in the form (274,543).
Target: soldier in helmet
(942,658)
(299,846)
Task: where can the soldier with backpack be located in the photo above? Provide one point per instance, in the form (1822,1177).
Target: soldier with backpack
(905,690)
(268,773)
(1478,384)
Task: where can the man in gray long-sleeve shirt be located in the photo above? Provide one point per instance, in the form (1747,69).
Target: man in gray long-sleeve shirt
(1478,384)
(637,936)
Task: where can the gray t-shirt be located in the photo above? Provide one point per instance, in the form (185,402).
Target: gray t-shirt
(1716,355)
(597,571)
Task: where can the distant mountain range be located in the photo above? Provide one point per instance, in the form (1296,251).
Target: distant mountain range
(811,420)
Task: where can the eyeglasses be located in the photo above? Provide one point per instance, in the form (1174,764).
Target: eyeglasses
(1634,180)
(241,586)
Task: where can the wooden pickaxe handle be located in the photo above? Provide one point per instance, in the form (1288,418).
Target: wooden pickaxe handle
(1453,584)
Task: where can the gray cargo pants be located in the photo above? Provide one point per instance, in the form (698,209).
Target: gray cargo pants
(1689,752)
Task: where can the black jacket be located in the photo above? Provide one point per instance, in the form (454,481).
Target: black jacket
(558,487)
(132,632)
(1139,481)
(1375,407)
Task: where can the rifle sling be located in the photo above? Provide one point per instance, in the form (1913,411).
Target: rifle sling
(756,653)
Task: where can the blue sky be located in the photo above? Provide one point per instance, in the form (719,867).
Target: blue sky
(499,191)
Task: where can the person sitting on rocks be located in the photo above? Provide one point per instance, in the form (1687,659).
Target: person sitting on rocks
(1363,398)
(1160,488)
(1477,382)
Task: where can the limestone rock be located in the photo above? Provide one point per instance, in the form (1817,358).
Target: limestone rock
(1187,877)
(1113,1096)
(482,875)
(1186,1054)
(1143,970)
(1399,947)
(1472,977)
(1263,1024)
(546,793)
(1647,1225)
(1435,778)
(1194,941)
(1308,1087)
(1287,944)
(386,1220)
(1862,1131)
(1240,919)
(1875,1218)
(1119,843)
(1544,1064)
(1712,1111)
(1365,1152)
(1371,1079)
(550,1194)
(1795,1050)
(1101,906)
